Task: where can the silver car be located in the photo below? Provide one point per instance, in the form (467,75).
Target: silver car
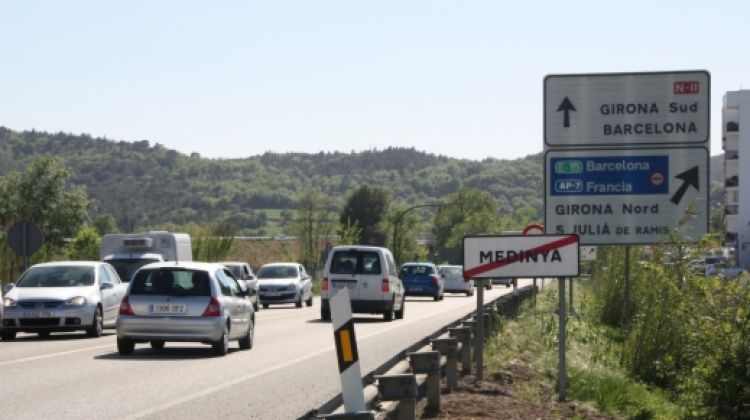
(185,302)
(284,283)
(454,279)
(244,273)
(62,296)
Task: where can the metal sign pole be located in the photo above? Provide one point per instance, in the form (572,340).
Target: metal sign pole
(626,303)
(570,297)
(25,246)
(562,375)
(479,335)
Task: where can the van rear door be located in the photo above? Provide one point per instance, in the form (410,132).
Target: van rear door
(370,275)
(342,272)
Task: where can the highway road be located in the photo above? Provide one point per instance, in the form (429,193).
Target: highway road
(290,370)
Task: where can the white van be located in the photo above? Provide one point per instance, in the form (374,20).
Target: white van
(127,252)
(371,276)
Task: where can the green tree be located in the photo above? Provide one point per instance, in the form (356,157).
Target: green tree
(85,245)
(350,233)
(467,212)
(366,208)
(312,225)
(104,224)
(404,228)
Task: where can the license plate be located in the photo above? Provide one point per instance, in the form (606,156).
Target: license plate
(272,294)
(168,308)
(416,288)
(44,314)
(342,284)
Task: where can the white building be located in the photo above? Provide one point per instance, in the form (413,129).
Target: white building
(735,133)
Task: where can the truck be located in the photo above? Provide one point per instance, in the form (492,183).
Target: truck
(127,252)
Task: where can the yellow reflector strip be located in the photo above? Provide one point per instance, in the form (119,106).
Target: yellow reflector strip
(346,346)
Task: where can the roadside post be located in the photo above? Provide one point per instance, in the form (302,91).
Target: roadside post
(346,352)
(487,256)
(534,229)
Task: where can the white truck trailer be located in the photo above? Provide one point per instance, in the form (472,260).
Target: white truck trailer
(127,252)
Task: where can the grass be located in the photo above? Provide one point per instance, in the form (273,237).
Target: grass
(593,353)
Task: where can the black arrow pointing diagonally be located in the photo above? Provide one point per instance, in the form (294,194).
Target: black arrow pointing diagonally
(566,106)
(689,177)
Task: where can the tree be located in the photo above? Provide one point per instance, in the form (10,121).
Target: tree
(313,226)
(104,224)
(404,227)
(366,208)
(468,212)
(85,245)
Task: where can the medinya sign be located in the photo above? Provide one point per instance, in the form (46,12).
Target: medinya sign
(520,256)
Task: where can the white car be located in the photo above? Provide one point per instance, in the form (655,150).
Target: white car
(284,283)
(454,279)
(245,276)
(370,275)
(62,296)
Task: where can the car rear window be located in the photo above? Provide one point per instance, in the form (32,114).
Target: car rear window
(277,272)
(451,271)
(171,282)
(355,262)
(408,270)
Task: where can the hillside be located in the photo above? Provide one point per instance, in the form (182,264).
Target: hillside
(143,184)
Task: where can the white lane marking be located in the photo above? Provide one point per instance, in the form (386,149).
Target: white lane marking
(236,381)
(50,355)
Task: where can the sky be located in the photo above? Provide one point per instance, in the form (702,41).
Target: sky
(232,79)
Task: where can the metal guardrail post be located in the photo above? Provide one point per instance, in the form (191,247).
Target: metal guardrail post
(448,347)
(463,335)
(487,321)
(401,388)
(428,362)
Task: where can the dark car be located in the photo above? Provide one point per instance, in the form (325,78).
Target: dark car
(422,279)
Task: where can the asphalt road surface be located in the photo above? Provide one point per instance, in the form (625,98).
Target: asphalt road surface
(291,369)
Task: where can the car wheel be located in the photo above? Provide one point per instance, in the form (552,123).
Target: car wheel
(95,330)
(309,301)
(246,342)
(265,306)
(298,303)
(43,334)
(325,313)
(400,312)
(125,346)
(256,307)
(388,314)
(221,346)
(436,298)
(8,335)
(507,285)
(157,344)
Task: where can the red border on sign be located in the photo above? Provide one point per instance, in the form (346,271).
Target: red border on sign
(568,240)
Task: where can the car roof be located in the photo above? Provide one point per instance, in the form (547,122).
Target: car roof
(279,264)
(359,248)
(450,266)
(68,264)
(190,265)
(411,263)
(233,263)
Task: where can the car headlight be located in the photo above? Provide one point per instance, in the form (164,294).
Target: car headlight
(8,302)
(76,301)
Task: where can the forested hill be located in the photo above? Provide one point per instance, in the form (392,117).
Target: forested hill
(146,184)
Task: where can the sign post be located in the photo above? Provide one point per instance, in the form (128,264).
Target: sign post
(25,238)
(522,256)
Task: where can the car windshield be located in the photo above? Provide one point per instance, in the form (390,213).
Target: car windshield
(127,267)
(236,270)
(277,272)
(60,276)
(171,282)
(355,262)
(409,270)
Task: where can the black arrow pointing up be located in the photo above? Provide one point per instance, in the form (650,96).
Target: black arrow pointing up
(689,177)
(566,106)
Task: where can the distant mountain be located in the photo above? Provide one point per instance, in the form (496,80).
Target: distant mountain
(142,184)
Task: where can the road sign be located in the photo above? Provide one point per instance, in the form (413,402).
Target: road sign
(626,196)
(25,238)
(627,108)
(520,256)
(587,253)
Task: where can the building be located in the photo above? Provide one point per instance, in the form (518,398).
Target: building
(735,117)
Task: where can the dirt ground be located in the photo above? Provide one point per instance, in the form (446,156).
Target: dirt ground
(499,397)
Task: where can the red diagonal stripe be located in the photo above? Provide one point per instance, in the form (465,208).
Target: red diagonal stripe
(542,248)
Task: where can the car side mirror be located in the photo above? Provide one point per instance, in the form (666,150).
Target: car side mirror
(7,287)
(250,277)
(106,286)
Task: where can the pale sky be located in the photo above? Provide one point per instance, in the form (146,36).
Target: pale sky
(239,78)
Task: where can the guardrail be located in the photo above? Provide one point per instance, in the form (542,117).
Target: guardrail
(417,371)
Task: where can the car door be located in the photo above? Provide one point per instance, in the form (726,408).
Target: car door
(250,281)
(306,283)
(109,296)
(370,272)
(342,272)
(235,303)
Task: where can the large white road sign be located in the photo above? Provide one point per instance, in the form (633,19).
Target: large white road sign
(520,256)
(627,108)
(626,196)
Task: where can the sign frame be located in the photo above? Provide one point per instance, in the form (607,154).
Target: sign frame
(524,247)
(627,80)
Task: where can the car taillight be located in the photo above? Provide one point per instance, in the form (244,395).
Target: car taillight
(435,279)
(386,285)
(125,308)
(324,284)
(213,308)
